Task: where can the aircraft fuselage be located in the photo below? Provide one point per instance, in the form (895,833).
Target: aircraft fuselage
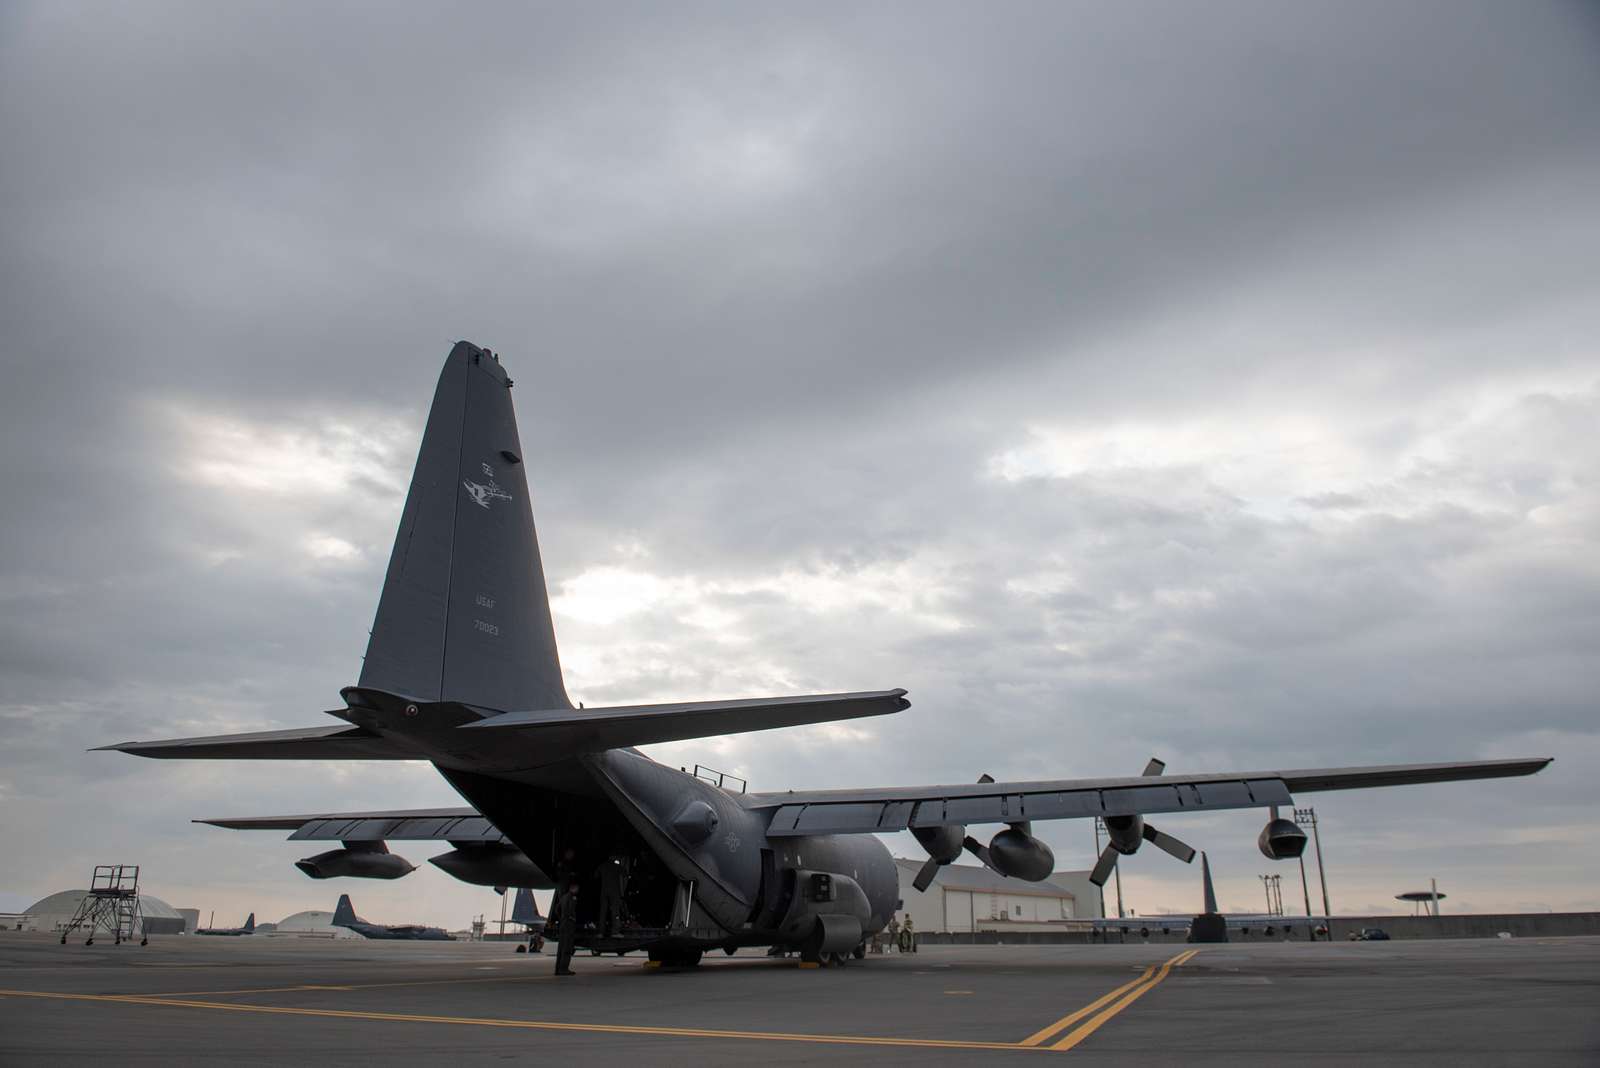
(701,869)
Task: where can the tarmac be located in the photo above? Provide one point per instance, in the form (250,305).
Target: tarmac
(266,1000)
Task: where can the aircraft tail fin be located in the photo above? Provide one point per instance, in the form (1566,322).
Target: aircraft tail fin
(343,913)
(464,614)
(250,924)
(525,910)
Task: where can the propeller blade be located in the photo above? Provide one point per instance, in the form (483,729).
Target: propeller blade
(1103,866)
(1164,841)
(979,850)
(924,877)
(1155,767)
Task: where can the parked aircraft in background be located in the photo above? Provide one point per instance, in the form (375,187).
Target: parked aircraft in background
(344,915)
(525,910)
(461,670)
(248,928)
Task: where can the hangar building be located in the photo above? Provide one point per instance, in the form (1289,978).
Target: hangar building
(312,923)
(971,898)
(53,913)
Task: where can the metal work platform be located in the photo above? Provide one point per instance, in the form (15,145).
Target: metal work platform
(111,905)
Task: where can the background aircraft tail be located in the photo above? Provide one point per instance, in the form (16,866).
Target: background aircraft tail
(464,614)
(250,924)
(524,909)
(343,914)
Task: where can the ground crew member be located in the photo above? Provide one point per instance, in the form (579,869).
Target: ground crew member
(894,932)
(610,897)
(566,904)
(908,937)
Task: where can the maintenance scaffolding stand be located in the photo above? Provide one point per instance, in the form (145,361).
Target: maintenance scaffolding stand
(112,904)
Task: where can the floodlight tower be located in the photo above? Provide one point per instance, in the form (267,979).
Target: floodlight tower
(1308,817)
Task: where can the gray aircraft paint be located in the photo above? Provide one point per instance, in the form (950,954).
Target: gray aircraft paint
(247,928)
(462,670)
(344,915)
(464,616)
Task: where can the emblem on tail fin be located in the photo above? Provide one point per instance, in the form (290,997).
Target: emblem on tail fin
(482,494)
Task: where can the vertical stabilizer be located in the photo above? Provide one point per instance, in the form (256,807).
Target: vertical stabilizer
(343,913)
(525,909)
(250,924)
(464,614)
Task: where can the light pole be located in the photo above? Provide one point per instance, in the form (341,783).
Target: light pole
(1098,824)
(1273,887)
(1304,889)
(1309,816)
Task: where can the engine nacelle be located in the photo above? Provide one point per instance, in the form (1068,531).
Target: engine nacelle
(1126,833)
(493,865)
(1281,839)
(944,843)
(363,861)
(1017,853)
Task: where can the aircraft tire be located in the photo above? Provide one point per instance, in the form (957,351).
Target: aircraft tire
(860,952)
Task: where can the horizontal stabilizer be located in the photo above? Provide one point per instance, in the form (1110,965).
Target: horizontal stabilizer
(306,743)
(294,823)
(596,729)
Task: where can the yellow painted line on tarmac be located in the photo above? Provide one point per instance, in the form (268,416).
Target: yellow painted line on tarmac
(1095,1022)
(531,1025)
(1038,1038)
(444,981)
(1127,993)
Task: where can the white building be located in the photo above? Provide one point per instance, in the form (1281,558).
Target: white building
(53,913)
(313,923)
(970,898)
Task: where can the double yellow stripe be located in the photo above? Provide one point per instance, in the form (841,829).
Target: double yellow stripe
(1139,988)
(1040,1037)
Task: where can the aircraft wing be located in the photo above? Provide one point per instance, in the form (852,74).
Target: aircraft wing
(882,810)
(401,825)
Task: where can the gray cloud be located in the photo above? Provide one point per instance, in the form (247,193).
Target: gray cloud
(1213,382)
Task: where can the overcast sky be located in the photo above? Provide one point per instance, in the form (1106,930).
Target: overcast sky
(1215,381)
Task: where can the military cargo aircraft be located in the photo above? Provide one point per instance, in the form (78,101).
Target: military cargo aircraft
(525,910)
(248,928)
(461,670)
(344,915)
